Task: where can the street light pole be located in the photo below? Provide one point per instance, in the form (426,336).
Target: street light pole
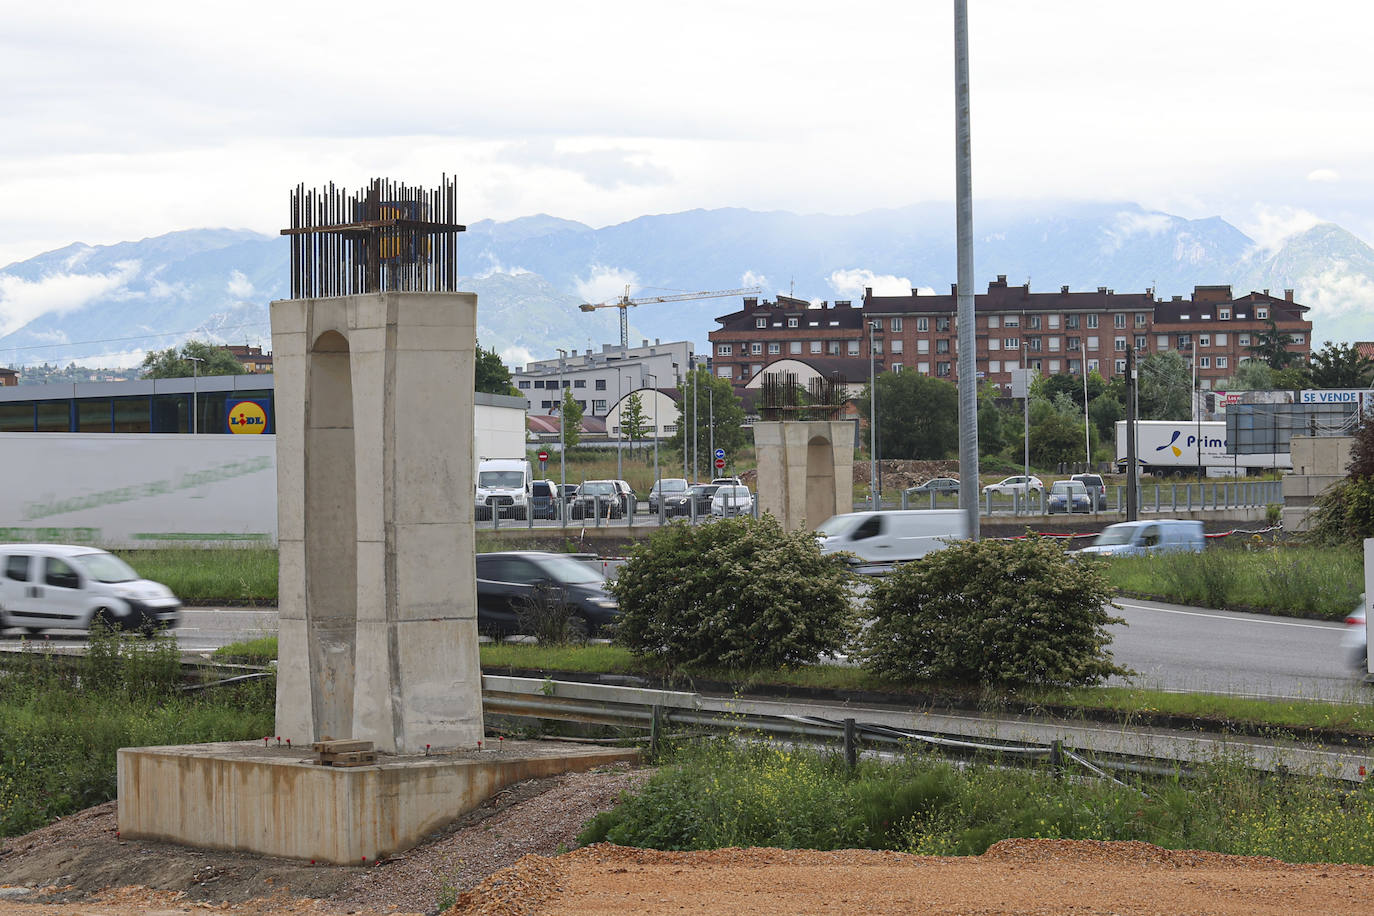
(619,425)
(195,389)
(562,440)
(653,393)
(872,421)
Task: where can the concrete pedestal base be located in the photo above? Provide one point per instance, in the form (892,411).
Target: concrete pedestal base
(276,801)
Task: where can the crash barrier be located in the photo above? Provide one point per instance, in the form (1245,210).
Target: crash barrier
(1173,497)
(656,712)
(604,513)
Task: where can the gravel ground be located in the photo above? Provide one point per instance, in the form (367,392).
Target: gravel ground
(504,858)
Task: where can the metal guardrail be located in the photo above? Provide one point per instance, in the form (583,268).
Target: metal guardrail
(1173,497)
(656,710)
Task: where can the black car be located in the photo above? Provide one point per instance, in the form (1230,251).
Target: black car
(602,498)
(507,583)
(940,486)
(700,494)
(1097,488)
(543,503)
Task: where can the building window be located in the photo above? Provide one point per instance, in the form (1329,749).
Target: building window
(724,350)
(1140,342)
(755,368)
(1033,322)
(942,324)
(1120,366)
(791,322)
(1092,321)
(1221,362)
(1119,320)
(877,348)
(994,322)
(580,383)
(923,324)
(598,407)
(1054,344)
(1071,322)
(895,346)
(1054,366)
(851,347)
(942,370)
(877,323)
(794,347)
(539,383)
(1243,340)
(600,384)
(774,349)
(994,366)
(896,325)
(756,349)
(1221,340)
(1073,367)
(1075,344)
(1092,343)
(923,368)
(1119,344)
(1204,362)
(1012,343)
(724,372)
(760,322)
(1223,314)
(832,347)
(993,343)
(1185,341)
(1010,366)
(1161,341)
(942,345)
(816,346)
(1141,319)
(1204,340)
(1033,344)
(1296,338)
(1261,313)
(1011,321)
(1054,322)
(896,367)
(526,384)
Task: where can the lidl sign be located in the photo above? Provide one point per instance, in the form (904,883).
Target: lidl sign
(247,417)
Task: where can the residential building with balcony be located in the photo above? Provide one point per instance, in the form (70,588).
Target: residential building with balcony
(600,379)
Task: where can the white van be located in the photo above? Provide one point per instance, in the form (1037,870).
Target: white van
(1160,535)
(892,537)
(47,586)
(504,487)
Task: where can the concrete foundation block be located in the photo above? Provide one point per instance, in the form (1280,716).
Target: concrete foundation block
(276,801)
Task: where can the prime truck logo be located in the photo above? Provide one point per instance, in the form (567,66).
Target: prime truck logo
(247,417)
(1178,452)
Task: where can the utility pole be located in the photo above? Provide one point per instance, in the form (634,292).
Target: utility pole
(963,206)
(195,390)
(1132,473)
(658,481)
(696,433)
(619,426)
(562,440)
(872,422)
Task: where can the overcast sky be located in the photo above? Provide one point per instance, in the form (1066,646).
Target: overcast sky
(122,121)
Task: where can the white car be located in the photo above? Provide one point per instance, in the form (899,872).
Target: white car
(47,586)
(1353,640)
(1015,486)
(732,500)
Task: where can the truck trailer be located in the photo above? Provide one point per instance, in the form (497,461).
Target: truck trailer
(1166,447)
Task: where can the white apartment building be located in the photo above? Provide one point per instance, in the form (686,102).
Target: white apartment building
(599,379)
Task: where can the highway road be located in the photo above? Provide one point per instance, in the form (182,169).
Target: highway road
(1169,646)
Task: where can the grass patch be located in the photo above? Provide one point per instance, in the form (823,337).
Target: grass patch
(241,574)
(1293,715)
(63,719)
(1301,581)
(741,792)
(259,651)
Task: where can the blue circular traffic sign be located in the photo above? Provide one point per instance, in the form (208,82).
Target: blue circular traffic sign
(720,453)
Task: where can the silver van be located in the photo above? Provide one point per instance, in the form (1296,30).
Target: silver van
(1160,535)
(892,537)
(56,586)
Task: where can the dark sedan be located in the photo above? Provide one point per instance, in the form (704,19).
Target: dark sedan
(508,583)
(698,496)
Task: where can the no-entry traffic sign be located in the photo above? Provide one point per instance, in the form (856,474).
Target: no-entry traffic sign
(720,463)
(543,455)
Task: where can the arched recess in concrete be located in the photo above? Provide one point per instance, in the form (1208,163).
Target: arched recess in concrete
(820,481)
(331,533)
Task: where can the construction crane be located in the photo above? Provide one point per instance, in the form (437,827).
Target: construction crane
(624,303)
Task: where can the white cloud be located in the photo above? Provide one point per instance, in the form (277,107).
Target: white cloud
(516,357)
(606,283)
(1336,292)
(495,267)
(752,279)
(1323,175)
(1129,223)
(853,282)
(239,286)
(1269,226)
(22,301)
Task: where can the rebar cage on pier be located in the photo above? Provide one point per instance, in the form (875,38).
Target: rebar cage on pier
(387,237)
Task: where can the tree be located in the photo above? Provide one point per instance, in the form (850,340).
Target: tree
(1165,387)
(712,396)
(918,416)
(1345,510)
(1341,366)
(1293,378)
(633,423)
(174,362)
(1251,375)
(490,373)
(572,420)
(1271,345)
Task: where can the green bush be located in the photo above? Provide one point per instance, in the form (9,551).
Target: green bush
(1007,612)
(735,593)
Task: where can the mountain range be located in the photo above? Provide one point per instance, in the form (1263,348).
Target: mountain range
(106,305)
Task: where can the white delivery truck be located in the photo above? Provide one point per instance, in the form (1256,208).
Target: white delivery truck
(892,537)
(504,488)
(1171,447)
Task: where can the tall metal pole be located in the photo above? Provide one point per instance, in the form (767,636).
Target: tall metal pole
(1132,472)
(696,433)
(1087,439)
(711,416)
(968,380)
(619,427)
(657,479)
(1197,415)
(562,440)
(195,390)
(872,422)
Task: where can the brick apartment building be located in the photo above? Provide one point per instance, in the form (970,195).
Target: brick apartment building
(252,358)
(1060,332)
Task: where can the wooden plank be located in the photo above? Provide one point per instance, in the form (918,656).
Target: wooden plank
(340,746)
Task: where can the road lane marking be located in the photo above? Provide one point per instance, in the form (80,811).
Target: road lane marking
(1272,623)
